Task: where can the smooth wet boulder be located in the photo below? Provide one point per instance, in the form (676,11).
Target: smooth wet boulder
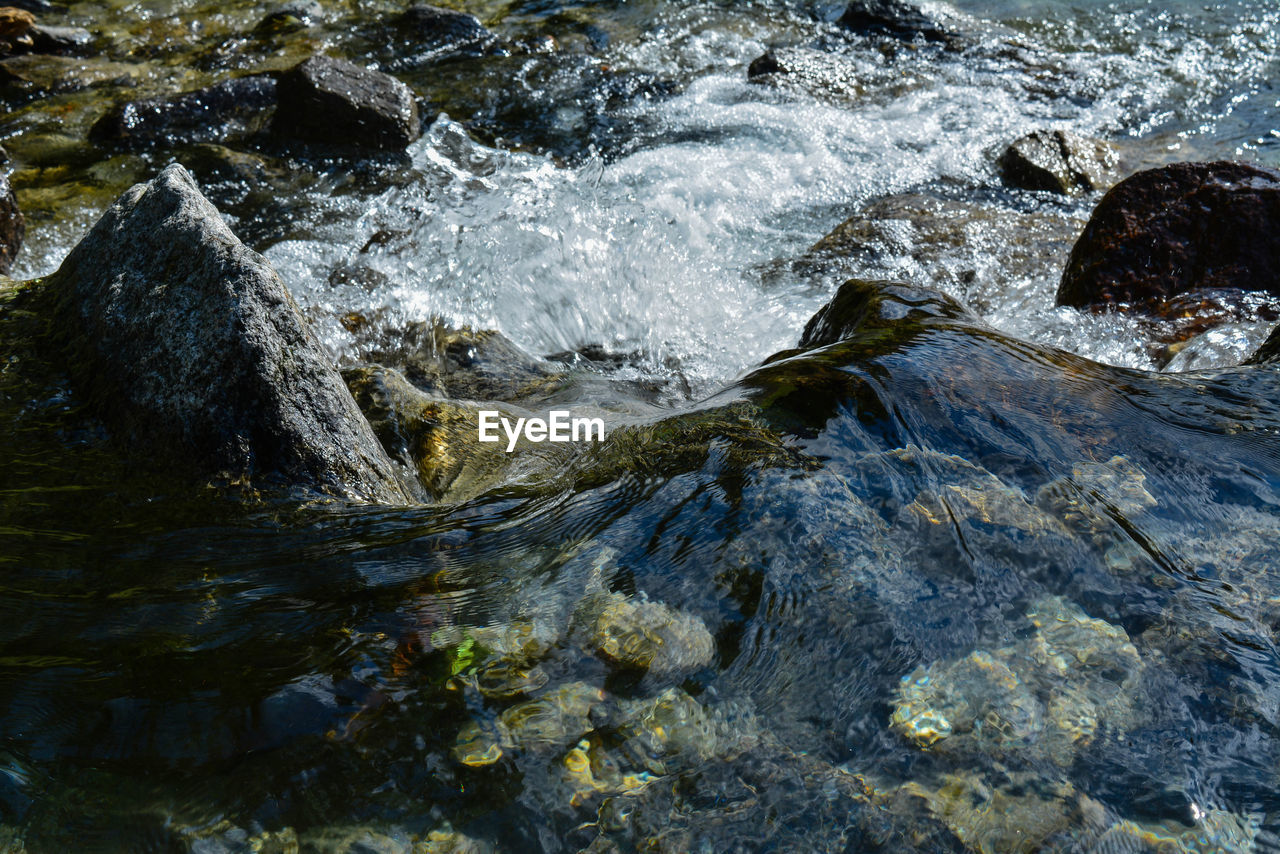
(1169,230)
(336,102)
(189,347)
(897,18)
(858,303)
(225,110)
(1058,161)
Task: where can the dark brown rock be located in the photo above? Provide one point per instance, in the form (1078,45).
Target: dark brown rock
(332,101)
(1058,161)
(765,64)
(189,347)
(897,18)
(217,113)
(1168,230)
(432,26)
(13,226)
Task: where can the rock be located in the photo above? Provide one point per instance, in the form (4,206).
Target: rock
(232,108)
(457,363)
(65,41)
(434,27)
(636,634)
(291,16)
(189,347)
(1165,231)
(1044,697)
(1058,161)
(765,64)
(896,18)
(13,226)
(858,303)
(945,243)
(39,75)
(435,439)
(14,26)
(333,101)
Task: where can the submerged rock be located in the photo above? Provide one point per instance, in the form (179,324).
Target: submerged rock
(434,438)
(1015,818)
(191,349)
(897,18)
(216,113)
(1164,231)
(1044,697)
(336,102)
(458,363)
(639,635)
(13,226)
(1058,161)
(39,75)
(859,302)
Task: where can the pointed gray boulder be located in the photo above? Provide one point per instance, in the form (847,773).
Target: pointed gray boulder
(189,347)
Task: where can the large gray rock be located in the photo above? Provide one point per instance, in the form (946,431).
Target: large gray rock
(13,226)
(1059,161)
(336,102)
(190,348)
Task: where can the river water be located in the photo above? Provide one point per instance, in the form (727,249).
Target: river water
(996,580)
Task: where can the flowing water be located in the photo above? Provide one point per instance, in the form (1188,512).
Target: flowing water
(996,579)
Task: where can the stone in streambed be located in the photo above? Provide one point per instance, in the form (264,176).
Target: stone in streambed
(1166,231)
(636,634)
(289,17)
(13,226)
(1058,161)
(896,18)
(232,108)
(336,102)
(39,75)
(64,41)
(14,26)
(189,347)
(436,28)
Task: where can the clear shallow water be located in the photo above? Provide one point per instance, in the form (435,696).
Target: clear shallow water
(1066,572)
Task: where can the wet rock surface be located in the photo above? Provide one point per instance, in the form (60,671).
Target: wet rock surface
(336,102)
(897,18)
(37,75)
(227,110)
(1058,161)
(1166,231)
(192,350)
(437,30)
(12,225)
